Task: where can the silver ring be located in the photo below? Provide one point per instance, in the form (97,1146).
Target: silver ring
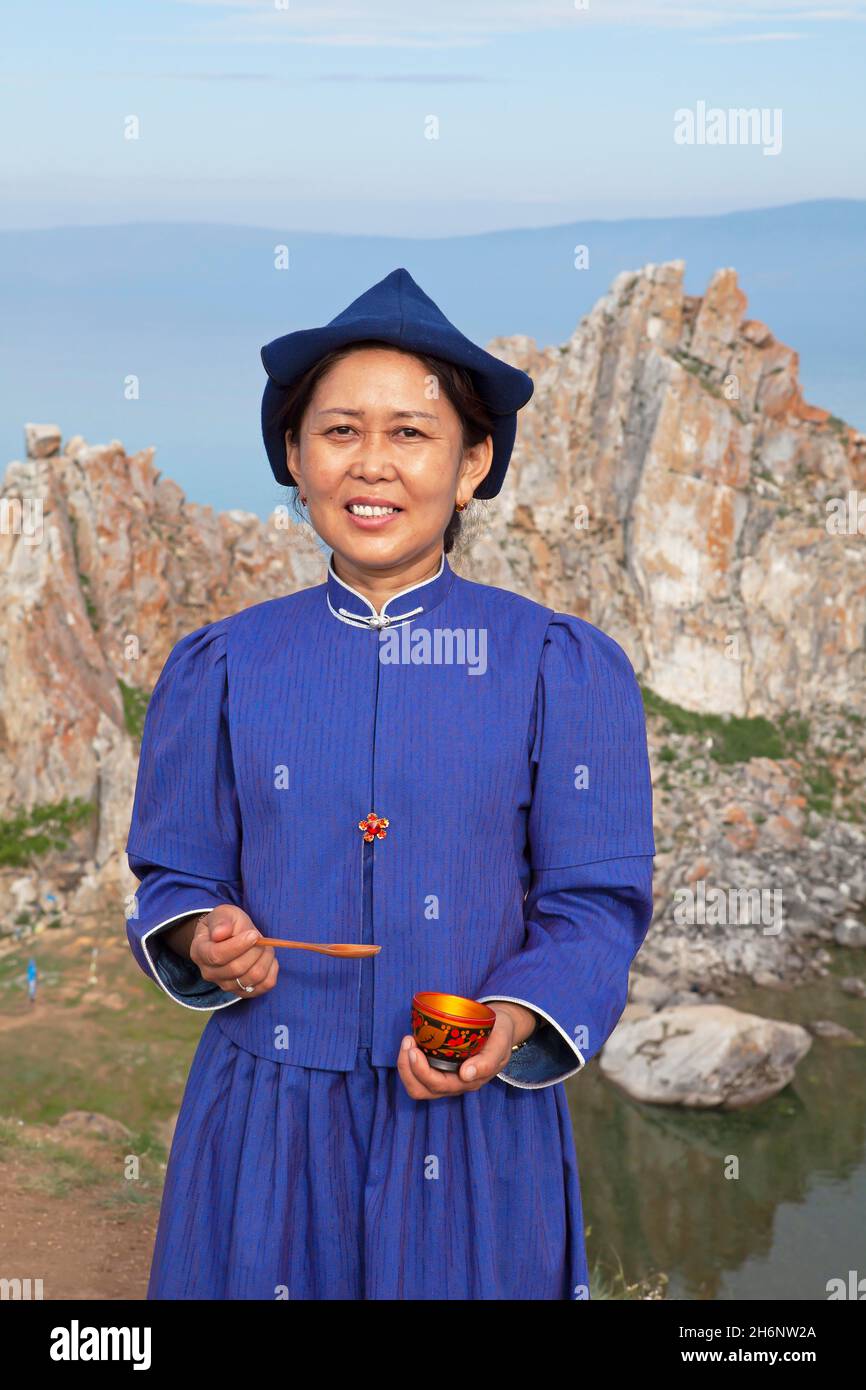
(247,989)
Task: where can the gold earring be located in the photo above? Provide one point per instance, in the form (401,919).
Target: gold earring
(460,506)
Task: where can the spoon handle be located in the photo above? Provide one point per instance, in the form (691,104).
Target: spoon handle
(347,950)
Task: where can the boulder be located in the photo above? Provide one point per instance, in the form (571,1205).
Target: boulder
(706,1056)
(41,441)
(850,932)
(91,1122)
(835,1032)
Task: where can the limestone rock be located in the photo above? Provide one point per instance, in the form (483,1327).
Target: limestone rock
(707,1056)
(850,932)
(834,1032)
(670,485)
(97,582)
(41,441)
(90,1122)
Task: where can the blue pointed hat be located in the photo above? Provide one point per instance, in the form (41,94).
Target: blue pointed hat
(397,311)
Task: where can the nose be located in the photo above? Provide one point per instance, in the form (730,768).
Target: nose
(373,461)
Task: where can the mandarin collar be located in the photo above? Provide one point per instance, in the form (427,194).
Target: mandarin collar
(353,608)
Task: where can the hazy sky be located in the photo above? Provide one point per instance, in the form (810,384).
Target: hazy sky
(317,115)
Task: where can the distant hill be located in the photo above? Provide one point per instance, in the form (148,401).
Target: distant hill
(186,307)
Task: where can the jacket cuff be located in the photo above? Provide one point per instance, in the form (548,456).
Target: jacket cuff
(179,977)
(546,1058)
(165,896)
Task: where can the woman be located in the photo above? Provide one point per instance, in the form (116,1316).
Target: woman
(397,756)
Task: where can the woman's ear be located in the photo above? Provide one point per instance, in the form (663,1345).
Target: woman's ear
(292,458)
(477,462)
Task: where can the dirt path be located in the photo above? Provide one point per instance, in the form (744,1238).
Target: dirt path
(72,1246)
(69,1213)
(79,1241)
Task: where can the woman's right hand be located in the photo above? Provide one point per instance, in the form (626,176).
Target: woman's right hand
(223,947)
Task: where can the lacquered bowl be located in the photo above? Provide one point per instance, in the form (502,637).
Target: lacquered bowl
(448,1028)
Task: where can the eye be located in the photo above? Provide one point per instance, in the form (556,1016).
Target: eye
(410,430)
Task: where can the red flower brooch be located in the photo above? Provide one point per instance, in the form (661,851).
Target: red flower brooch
(374,826)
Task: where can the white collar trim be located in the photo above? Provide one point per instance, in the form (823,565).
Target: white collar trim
(372,619)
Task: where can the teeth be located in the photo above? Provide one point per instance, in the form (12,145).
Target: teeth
(358,510)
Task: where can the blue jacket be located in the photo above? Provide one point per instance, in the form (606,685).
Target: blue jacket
(506,745)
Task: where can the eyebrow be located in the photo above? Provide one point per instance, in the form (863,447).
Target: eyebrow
(401,414)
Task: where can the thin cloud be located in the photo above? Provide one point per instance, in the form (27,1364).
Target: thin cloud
(418,78)
(452,17)
(461,24)
(266,34)
(752,38)
(201,76)
(415,78)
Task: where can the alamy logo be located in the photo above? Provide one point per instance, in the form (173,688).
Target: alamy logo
(22,516)
(438,646)
(76,1343)
(744,907)
(20,1289)
(754,125)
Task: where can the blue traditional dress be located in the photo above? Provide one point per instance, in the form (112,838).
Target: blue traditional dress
(505,743)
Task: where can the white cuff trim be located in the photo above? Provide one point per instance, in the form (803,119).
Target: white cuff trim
(527,1004)
(190,912)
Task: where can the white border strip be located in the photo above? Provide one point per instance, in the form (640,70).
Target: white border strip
(397,617)
(534,1085)
(350,621)
(201,1008)
(355,620)
(401,592)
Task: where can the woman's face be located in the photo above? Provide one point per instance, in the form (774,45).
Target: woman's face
(377,434)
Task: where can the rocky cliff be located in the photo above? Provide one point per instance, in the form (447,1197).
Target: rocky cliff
(98,582)
(670,485)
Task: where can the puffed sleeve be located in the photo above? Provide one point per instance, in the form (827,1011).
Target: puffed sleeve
(185,835)
(590,848)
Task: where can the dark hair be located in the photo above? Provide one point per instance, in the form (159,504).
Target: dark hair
(475,419)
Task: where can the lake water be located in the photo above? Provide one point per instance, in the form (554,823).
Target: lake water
(653,1182)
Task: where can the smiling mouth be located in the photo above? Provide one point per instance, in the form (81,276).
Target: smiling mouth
(362,509)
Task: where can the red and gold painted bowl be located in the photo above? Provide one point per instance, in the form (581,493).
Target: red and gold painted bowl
(448,1028)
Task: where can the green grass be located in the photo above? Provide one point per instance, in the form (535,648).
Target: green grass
(67,1053)
(92,613)
(28,834)
(83,579)
(699,369)
(143,1193)
(130,1064)
(822,785)
(12,1137)
(735,739)
(135,704)
(795,727)
(65,1171)
(606,1285)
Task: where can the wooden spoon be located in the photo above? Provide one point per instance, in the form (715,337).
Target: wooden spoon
(350,950)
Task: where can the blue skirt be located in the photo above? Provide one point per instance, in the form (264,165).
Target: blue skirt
(289,1182)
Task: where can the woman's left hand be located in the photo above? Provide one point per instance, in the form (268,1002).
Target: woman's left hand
(423,1082)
